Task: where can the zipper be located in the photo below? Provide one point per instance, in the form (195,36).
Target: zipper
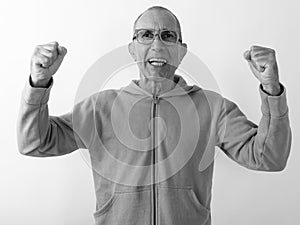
(154,191)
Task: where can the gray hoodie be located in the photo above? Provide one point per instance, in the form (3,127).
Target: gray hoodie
(153,156)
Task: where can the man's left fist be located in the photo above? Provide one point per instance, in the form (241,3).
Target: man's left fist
(262,62)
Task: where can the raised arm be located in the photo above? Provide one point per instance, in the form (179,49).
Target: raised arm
(264,147)
(39,134)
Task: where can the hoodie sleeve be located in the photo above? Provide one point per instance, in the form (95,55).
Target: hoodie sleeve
(264,147)
(41,135)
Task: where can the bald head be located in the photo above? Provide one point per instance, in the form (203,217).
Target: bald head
(159,8)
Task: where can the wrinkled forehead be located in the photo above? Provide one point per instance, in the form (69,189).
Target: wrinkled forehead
(157,19)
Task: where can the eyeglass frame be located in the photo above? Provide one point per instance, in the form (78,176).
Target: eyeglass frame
(179,40)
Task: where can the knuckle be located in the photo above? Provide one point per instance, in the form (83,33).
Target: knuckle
(35,58)
(51,54)
(271,54)
(253,47)
(43,60)
(46,59)
(39,49)
(53,44)
(52,48)
(36,49)
(273,51)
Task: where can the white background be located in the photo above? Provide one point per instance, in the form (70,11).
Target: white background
(59,191)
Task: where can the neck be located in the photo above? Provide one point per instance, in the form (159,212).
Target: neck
(157,87)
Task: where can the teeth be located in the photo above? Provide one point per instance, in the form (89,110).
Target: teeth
(157,63)
(157,60)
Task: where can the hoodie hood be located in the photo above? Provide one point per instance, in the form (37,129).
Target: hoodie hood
(181,88)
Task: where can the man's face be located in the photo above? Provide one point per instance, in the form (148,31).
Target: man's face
(145,54)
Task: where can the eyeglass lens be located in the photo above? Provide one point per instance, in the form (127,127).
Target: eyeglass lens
(147,36)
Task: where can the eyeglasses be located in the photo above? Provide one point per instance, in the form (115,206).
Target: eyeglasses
(147,36)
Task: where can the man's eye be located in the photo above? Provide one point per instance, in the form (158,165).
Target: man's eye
(147,35)
(169,36)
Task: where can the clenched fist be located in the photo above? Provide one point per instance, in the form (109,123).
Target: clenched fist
(45,61)
(263,64)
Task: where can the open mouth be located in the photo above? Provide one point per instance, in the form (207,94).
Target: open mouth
(158,62)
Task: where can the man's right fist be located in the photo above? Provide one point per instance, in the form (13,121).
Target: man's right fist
(45,61)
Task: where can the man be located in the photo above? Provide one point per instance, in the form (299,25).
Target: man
(132,186)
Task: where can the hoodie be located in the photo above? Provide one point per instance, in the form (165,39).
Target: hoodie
(152,157)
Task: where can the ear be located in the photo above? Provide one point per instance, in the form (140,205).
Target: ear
(131,49)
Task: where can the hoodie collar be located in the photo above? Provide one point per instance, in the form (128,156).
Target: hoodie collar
(181,88)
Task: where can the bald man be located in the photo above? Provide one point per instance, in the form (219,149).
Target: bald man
(152,164)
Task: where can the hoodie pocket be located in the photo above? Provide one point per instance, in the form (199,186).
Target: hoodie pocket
(125,208)
(180,206)
(106,206)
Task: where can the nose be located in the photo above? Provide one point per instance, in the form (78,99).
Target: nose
(157,43)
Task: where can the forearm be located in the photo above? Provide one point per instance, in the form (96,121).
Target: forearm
(39,134)
(275,122)
(273,142)
(265,147)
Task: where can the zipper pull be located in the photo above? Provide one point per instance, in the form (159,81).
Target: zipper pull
(155,99)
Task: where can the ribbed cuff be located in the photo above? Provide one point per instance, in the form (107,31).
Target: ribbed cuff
(274,106)
(36,95)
